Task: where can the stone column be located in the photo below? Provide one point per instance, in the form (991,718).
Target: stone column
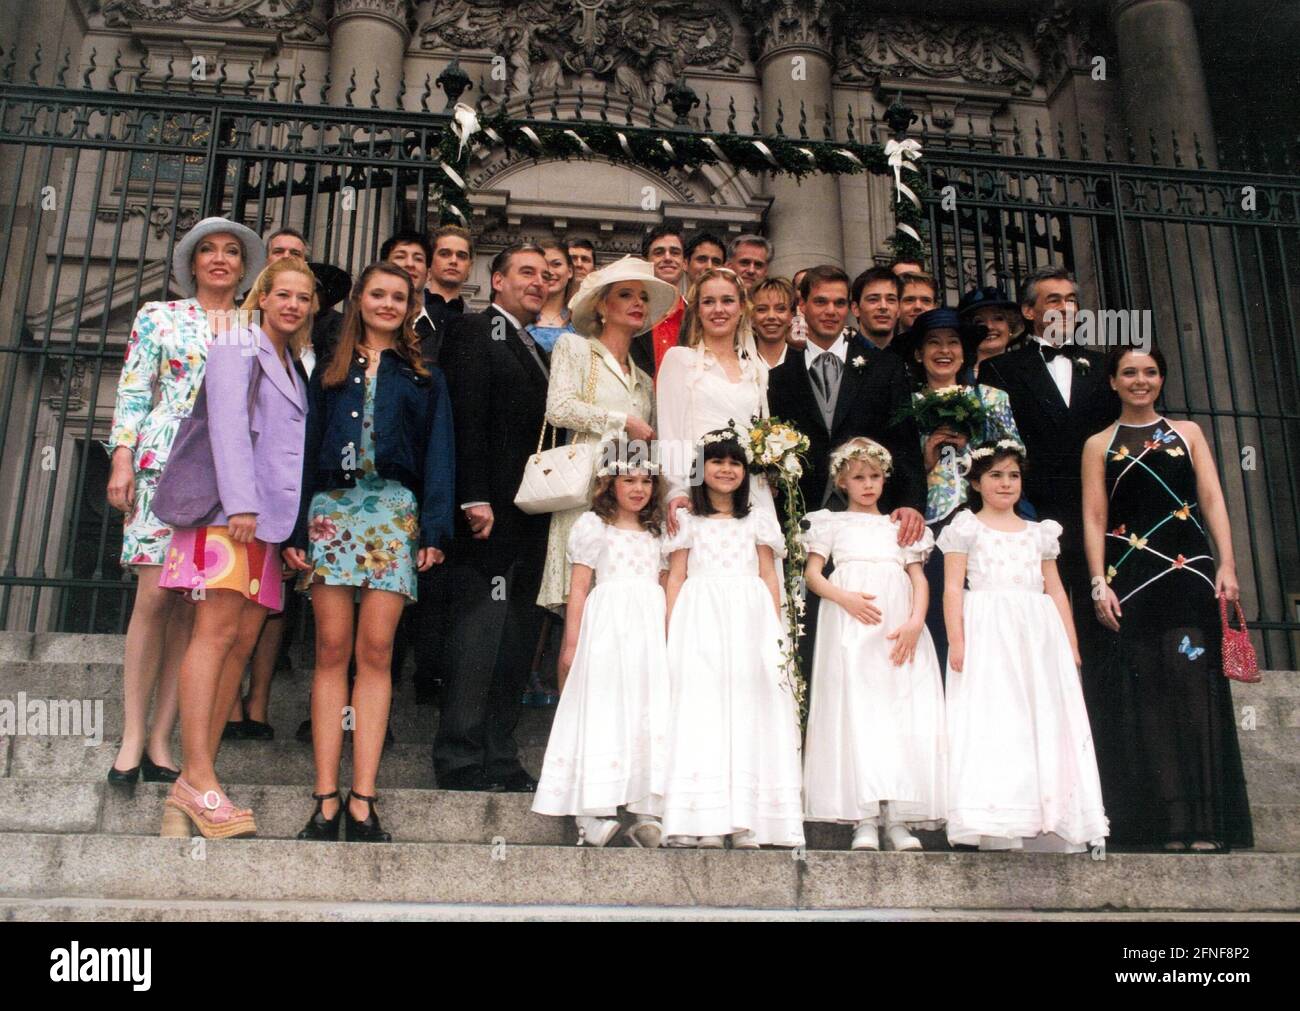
(1161,79)
(792,50)
(368,36)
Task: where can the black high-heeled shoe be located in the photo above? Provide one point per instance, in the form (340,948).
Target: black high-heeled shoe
(116,775)
(369,830)
(319,828)
(153,773)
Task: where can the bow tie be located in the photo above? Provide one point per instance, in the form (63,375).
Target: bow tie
(1049,352)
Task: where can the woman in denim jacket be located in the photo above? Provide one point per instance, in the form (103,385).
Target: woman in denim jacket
(376,507)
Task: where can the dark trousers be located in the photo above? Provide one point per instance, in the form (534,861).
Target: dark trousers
(490,649)
(424,628)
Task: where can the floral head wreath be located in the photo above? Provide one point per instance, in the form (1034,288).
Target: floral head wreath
(617,460)
(862,449)
(1002,444)
(728,434)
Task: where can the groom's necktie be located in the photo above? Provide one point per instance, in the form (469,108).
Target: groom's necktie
(825,376)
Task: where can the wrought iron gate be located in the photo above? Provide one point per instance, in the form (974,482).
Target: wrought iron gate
(96,185)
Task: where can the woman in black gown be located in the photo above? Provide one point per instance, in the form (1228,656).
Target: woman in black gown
(1160,707)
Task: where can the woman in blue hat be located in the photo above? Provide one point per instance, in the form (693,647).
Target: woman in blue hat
(938,348)
(990,308)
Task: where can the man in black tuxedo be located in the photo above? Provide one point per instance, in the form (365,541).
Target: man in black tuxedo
(837,387)
(452,254)
(1059,396)
(497,375)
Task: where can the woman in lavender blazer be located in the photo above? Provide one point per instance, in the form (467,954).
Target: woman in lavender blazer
(230,490)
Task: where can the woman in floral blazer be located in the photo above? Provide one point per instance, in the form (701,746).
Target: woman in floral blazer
(156,390)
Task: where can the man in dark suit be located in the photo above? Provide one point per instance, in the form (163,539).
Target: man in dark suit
(1059,396)
(449,265)
(856,393)
(837,387)
(498,376)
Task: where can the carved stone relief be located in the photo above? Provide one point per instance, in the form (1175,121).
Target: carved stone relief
(296,20)
(965,50)
(634,45)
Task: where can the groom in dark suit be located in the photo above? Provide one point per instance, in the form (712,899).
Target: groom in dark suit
(835,388)
(1060,396)
(498,376)
(840,386)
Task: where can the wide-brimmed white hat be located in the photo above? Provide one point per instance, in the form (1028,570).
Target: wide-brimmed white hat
(584,303)
(183,254)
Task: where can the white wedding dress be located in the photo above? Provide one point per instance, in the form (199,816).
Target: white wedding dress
(733,743)
(875,731)
(1022,770)
(607,745)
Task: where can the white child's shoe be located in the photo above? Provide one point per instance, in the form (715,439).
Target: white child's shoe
(744,840)
(682,842)
(898,838)
(596,831)
(866,836)
(647,832)
(711,842)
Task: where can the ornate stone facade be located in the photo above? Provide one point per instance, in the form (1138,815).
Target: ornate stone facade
(295,20)
(946,50)
(777,25)
(547,43)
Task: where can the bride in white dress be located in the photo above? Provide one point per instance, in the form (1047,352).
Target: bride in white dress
(718,380)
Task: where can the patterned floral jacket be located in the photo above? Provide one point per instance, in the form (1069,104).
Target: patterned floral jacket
(945,485)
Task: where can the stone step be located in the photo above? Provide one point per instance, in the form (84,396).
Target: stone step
(412,815)
(65,910)
(108,867)
(263,762)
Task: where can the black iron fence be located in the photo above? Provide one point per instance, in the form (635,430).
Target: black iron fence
(97,184)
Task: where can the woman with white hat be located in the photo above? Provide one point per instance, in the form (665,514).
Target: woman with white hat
(159,382)
(595,390)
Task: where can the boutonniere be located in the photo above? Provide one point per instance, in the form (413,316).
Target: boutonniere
(1084,364)
(859,361)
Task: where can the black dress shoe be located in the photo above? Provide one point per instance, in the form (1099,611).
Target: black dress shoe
(468,778)
(157,773)
(369,830)
(116,775)
(319,828)
(518,782)
(304,731)
(233,730)
(256,730)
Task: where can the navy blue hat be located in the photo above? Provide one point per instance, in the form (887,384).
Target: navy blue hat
(942,318)
(984,298)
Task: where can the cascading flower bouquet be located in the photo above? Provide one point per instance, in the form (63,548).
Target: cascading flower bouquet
(957,407)
(776,450)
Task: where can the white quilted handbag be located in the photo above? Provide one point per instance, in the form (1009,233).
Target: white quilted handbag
(559,478)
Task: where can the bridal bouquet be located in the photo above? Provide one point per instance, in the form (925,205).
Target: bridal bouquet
(775,449)
(957,407)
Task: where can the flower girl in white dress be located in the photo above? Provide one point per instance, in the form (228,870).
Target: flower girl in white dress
(733,743)
(876,741)
(607,747)
(1022,771)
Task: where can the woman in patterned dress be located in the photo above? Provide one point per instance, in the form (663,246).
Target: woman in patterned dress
(155,391)
(1160,706)
(595,390)
(938,348)
(376,507)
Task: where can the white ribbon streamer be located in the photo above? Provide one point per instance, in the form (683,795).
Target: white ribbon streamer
(528,132)
(812,158)
(669,148)
(581,143)
(453,175)
(622,142)
(901,154)
(464,123)
(849,155)
(766,152)
(909,230)
(907,192)
(492,135)
(457,211)
(712,145)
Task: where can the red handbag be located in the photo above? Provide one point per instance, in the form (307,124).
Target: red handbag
(1239,661)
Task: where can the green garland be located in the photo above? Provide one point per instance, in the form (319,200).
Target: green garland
(663,150)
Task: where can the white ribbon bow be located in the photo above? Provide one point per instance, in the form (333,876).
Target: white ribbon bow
(464,124)
(901,154)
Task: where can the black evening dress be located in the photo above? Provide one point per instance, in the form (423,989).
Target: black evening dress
(1160,707)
